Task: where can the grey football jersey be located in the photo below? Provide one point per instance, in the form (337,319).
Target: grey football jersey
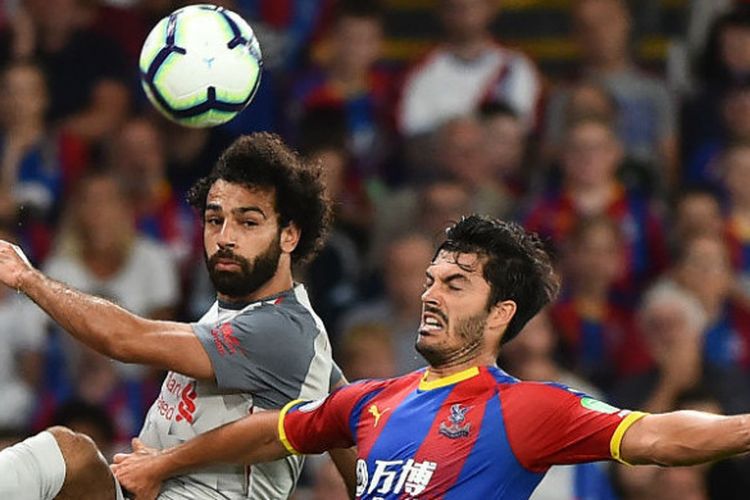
(264,355)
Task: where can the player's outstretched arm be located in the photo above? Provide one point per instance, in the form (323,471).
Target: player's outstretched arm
(104,326)
(249,440)
(685,438)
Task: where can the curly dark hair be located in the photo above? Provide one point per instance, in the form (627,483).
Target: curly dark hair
(263,160)
(517,267)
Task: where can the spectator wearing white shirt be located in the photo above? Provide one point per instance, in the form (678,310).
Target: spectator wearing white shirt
(467,68)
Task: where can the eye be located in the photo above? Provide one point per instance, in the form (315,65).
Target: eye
(249,223)
(214,221)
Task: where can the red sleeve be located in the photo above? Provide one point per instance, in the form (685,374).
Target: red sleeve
(307,427)
(549,424)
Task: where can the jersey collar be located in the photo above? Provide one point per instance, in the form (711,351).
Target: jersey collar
(425,385)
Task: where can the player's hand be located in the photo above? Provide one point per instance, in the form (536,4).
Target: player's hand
(136,472)
(13,264)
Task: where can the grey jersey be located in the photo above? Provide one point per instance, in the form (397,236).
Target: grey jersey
(263,355)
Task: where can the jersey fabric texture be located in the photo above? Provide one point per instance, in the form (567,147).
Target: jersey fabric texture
(479,433)
(263,355)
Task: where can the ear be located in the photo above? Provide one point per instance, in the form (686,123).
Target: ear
(289,237)
(501,314)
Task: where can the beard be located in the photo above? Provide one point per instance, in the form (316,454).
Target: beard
(470,334)
(251,275)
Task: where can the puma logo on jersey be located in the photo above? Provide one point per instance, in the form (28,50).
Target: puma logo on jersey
(373,410)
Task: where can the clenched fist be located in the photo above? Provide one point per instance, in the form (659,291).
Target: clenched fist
(13,265)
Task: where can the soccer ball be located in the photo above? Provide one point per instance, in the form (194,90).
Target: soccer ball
(201,65)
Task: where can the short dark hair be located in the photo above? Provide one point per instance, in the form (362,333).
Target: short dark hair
(263,160)
(360,9)
(495,109)
(517,267)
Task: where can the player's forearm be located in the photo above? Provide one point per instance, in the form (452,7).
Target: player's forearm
(247,441)
(100,324)
(686,438)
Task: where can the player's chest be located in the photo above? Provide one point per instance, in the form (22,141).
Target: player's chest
(185,402)
(422,444)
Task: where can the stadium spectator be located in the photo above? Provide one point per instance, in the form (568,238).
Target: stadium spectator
(696,210)
(703,268)
(137,158)
(402,267)
(598,337)
(351,80)
(99,250)
(37,165)
(506,148)
(534,356)
(672,323)
(725,65)
(466,68)
(646,113)
(333,277)
(590,158)
(190,152)
(735,164)
(87,74)
(461,152)
(428,207)
(367,351)
(704,165)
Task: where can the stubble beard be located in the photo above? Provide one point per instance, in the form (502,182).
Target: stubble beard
(470,332)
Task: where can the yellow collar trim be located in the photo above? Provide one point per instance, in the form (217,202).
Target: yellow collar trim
(425,385)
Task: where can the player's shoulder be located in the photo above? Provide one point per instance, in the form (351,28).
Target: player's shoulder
(280,313)
(541,395)
(369,387)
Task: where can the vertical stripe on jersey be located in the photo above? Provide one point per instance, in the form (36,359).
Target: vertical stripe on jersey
(389,402)
(451,453)
(356,414)
(407,427)
(492,470)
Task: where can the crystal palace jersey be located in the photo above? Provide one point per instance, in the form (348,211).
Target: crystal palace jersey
(477,434)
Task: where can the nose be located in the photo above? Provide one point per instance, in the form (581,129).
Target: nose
(226,236)
(429,296)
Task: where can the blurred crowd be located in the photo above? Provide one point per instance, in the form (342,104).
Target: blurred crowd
(638,180)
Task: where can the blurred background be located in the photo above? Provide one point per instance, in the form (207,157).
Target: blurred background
(619,130)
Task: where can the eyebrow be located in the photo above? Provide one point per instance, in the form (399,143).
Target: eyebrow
(455,277)
(215,207)
(449,278)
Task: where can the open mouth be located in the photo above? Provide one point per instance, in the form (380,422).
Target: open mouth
(431,322)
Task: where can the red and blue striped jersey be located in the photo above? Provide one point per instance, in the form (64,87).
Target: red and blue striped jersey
(479,433)
(555,214)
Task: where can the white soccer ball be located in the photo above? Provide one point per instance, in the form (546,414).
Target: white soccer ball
(201,65)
